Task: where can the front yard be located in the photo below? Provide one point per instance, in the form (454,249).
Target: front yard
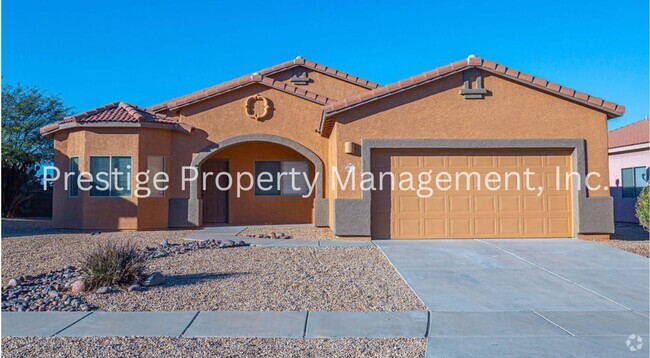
(239,278)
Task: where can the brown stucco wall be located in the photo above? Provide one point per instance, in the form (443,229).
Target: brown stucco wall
(438,111)
(323,84)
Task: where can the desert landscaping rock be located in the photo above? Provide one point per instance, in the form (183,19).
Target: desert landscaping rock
(271,279)
(298,233)
(78,286)
(33,248)
(103,290)
(222,347)
(45,292)
(166,249)
(135,288)
(154,279)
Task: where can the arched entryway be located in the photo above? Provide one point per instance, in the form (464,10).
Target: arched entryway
(248,153)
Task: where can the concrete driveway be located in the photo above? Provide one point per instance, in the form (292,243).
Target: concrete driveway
(527,297)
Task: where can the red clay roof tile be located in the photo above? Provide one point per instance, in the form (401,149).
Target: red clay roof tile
(116,112)
(631,134)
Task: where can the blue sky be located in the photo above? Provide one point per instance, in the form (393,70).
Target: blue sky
(145,52)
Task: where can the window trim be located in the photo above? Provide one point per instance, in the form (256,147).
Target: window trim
(70,178)
(164,166)
(110,177)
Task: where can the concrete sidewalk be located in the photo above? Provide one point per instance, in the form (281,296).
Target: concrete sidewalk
(259,324)
(230,233)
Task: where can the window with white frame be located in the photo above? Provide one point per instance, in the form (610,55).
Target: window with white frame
(633,181)
(111,175)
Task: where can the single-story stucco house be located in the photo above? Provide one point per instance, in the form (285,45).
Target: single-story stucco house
(473,114)
(629,159)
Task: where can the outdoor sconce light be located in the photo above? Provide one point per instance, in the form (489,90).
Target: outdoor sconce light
(351,148)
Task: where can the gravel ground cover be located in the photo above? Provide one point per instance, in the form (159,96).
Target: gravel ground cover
(270,279)
(222,347)
(32,248)
(637,247)
(630,237)
(298,233)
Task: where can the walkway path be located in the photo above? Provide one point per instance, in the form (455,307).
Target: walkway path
(527,297)
(261,324)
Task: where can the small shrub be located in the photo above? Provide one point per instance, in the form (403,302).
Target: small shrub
(113,264)
(642,208)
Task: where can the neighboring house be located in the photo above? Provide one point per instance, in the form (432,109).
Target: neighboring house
(629,159)
(472,114)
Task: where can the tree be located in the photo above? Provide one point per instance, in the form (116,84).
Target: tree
(642,208)
(24,111)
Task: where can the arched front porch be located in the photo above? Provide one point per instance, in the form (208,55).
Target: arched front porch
(251,153)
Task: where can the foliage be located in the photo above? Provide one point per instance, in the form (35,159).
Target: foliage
(111,263)
(642,208)
(24,111)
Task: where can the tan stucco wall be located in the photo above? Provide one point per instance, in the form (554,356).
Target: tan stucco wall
(223,117)
(84,211)
(438,111)
(322,84)
(252,209)
(153,211)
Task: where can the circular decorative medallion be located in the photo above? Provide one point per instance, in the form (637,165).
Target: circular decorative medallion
(250,105)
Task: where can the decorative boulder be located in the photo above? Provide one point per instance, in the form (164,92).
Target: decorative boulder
(78,286)
(13,282)
(135,288)
(154,279)
(103,290)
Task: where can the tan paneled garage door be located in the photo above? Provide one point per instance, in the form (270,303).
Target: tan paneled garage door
(477,212)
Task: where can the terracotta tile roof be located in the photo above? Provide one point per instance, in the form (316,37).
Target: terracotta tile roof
(116,112)
(631,134)
(235,84)
(612,109)
(299,61)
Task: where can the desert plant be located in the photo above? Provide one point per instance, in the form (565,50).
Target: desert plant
(111,263)
(642,208)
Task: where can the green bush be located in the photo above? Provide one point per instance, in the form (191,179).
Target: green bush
(113,264)
(643,208)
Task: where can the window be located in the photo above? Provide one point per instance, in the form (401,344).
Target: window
(268,185)
(634,180)
(155,165)
(105,181)
(73,188)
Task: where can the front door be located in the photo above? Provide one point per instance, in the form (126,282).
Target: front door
(215,201)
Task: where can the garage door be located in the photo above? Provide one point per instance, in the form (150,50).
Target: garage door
(473,211)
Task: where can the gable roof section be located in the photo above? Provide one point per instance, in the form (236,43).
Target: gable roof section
(327,122)
(301,62)
(232,85)
(631,134)
(116,114)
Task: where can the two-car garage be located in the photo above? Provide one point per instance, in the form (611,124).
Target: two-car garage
(468,207)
